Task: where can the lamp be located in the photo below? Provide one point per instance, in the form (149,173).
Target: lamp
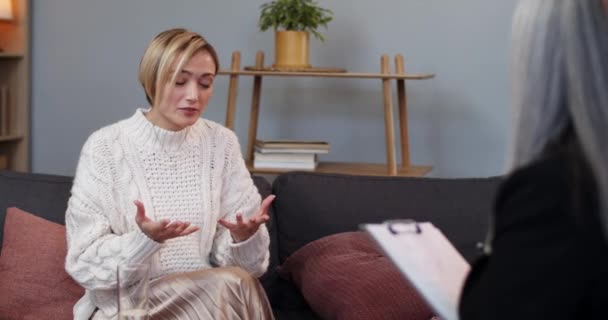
(6,12)
(6,9)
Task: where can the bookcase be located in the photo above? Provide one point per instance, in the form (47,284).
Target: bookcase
(15,87)
(386,79)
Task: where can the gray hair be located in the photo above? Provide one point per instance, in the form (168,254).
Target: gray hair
(560,78)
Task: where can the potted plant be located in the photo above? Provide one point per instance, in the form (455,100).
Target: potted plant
(293,21)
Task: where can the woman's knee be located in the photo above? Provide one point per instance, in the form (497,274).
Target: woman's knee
(235,275)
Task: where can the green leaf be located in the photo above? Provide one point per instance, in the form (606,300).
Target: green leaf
(298,15)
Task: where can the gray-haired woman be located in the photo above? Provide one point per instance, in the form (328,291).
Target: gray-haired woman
(547,257)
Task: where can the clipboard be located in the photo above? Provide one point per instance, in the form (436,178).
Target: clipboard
(427,259)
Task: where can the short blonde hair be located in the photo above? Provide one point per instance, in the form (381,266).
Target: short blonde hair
(170,48)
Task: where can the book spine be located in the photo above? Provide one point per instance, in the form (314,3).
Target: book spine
(267,144)
(284,165)
(289,150)
(4,106)
(286,157)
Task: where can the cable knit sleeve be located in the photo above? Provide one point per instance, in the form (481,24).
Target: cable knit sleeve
(240,195)
(94,251)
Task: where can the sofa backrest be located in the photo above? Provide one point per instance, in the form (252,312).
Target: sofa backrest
(39,194)
(47,195)
(312,205)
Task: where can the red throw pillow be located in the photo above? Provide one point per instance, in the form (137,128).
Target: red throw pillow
(33,281)
(345,276)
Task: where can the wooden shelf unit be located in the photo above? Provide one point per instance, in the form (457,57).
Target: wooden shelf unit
(11,55)
(391,168)
(367,169)
(15,75)
(8,138)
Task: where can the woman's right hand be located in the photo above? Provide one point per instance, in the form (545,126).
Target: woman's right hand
(162,230)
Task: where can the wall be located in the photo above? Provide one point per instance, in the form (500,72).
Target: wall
(86,54)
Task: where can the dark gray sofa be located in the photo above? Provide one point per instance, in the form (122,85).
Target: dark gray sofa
(309,206)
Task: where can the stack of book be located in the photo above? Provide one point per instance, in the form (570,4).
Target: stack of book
(288,154)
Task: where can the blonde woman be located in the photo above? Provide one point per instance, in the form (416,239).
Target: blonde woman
(548,254)
(168,188)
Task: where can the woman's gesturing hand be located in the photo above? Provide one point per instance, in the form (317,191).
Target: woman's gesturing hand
(243,229)
(162,230)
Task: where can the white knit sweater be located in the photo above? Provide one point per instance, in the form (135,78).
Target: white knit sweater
(196,175)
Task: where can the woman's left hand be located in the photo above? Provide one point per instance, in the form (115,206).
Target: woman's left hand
(243,229)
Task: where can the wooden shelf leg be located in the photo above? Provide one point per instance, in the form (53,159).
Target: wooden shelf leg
(233,89)
(402,105)
(388,118)
(255,108)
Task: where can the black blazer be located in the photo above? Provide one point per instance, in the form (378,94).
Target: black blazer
(549,255)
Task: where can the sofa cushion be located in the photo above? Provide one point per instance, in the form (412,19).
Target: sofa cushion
(33,281)
(345,276)
(312,205)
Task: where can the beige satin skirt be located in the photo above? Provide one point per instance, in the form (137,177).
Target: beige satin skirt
(216,293)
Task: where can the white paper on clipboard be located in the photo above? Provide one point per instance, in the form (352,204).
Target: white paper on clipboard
(427,259)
